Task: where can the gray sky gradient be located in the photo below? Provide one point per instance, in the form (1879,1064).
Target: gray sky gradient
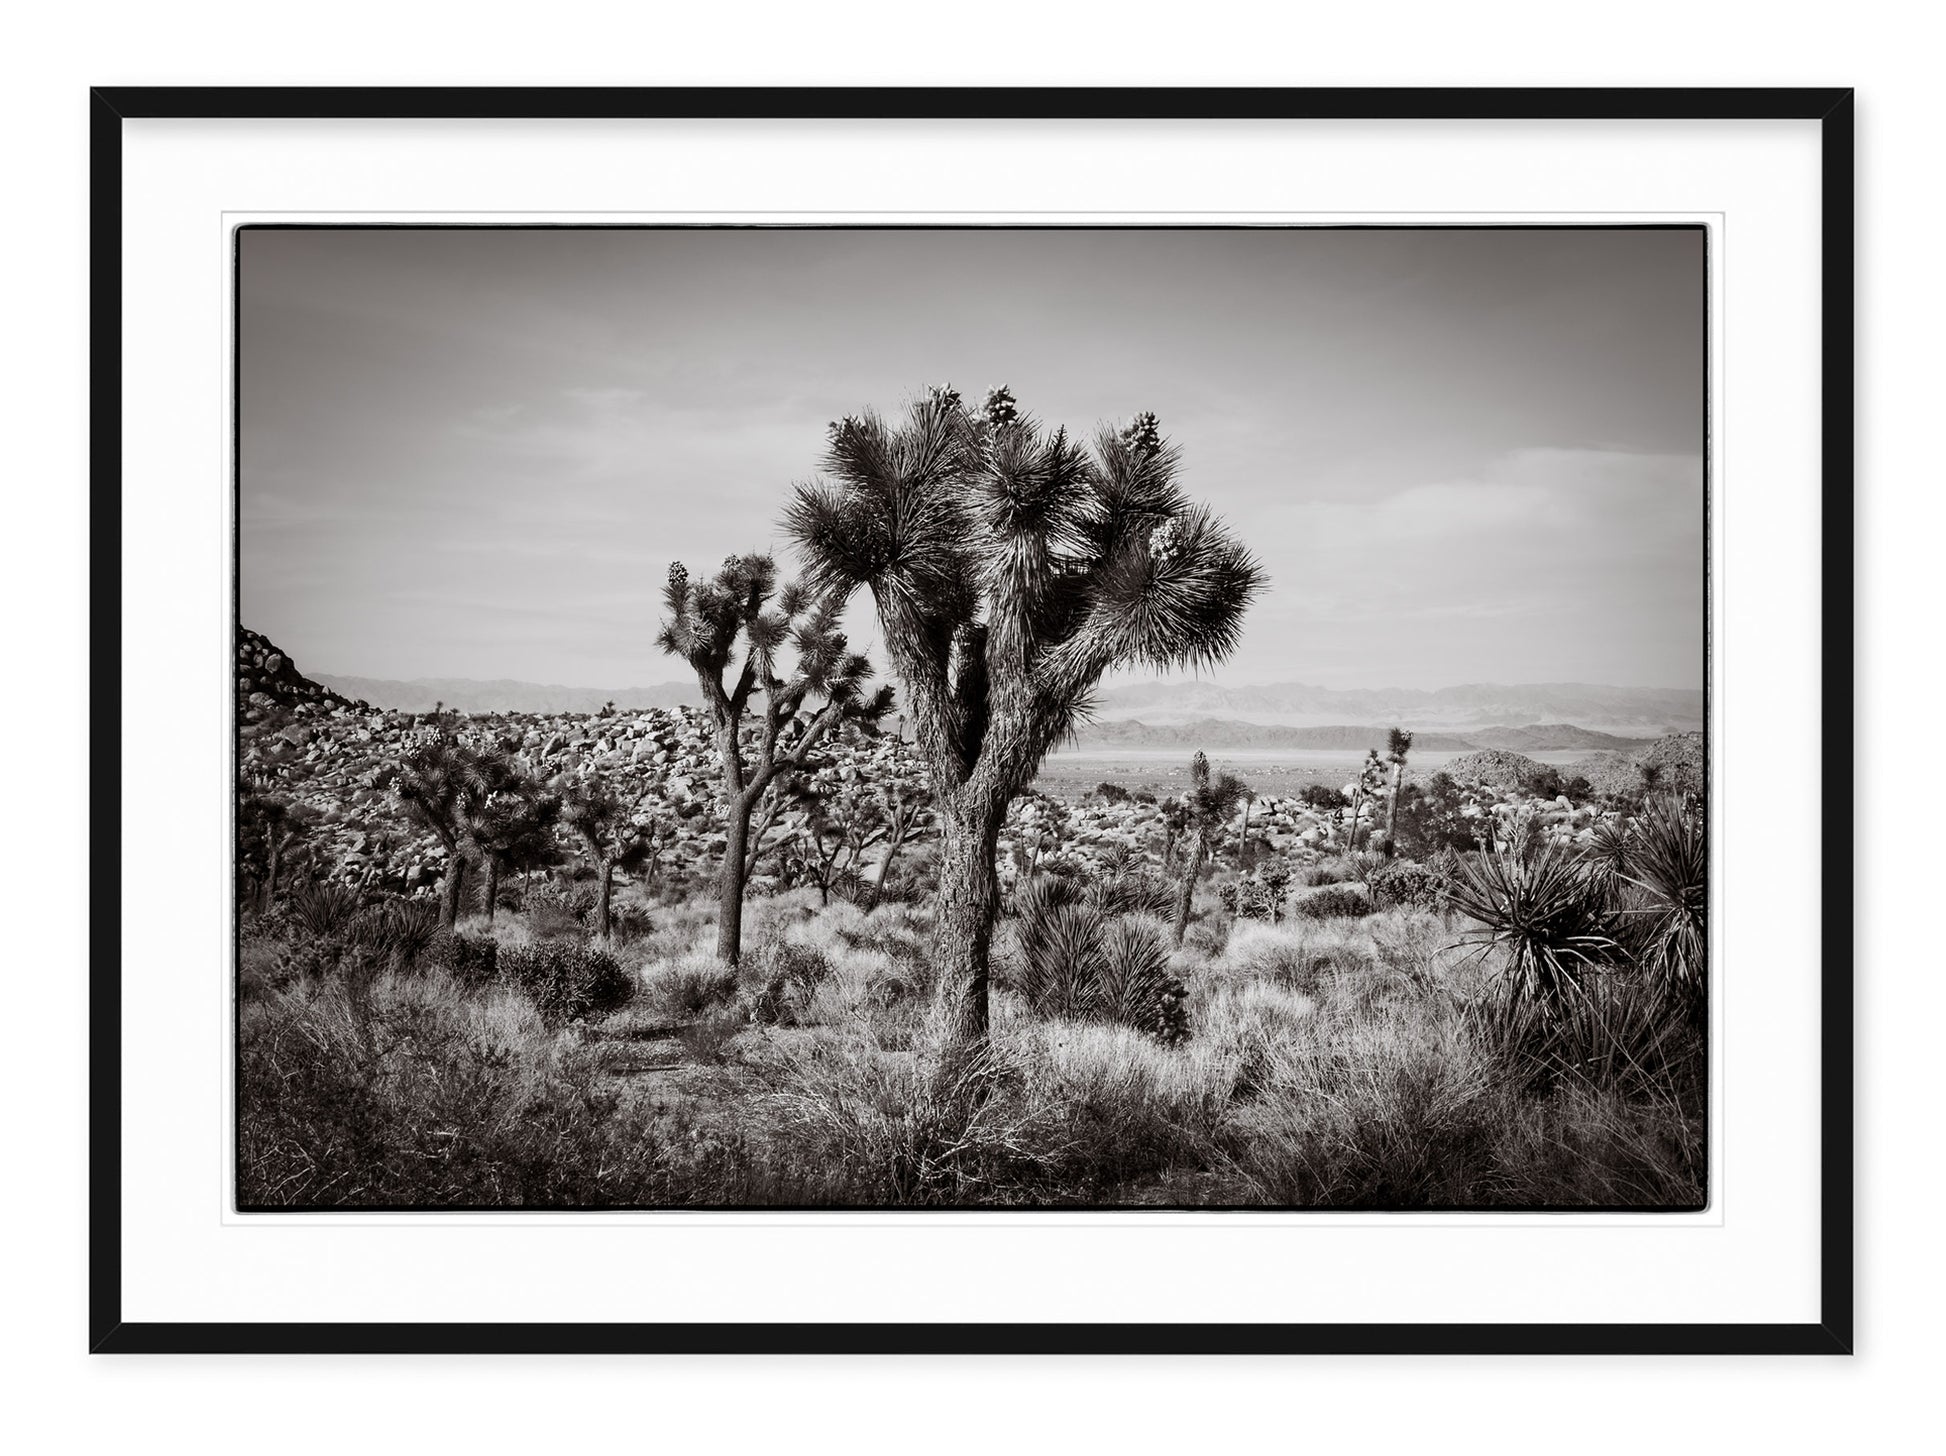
(1463,456)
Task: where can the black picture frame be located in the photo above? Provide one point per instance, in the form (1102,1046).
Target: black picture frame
(110,1333)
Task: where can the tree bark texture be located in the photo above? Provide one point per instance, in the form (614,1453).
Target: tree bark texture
(969,902)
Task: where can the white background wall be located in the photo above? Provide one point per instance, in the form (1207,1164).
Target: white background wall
(73,1403)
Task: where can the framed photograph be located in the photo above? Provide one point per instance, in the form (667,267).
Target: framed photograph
(971,721)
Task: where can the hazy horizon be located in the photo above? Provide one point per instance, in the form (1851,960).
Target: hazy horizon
(1464,456)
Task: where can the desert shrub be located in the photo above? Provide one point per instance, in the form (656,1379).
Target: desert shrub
(566,981)
(1332,902)
(1543,781)
(784,975)
(1338,869)
(471,960)
(1259,895)
(324,909)
(1111,793)
(1081,963)
(688,986)
(1321,797)
(1400,882)
(559,907)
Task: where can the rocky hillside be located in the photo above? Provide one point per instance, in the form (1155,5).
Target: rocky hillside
(1493,768)
(502,695)
(335,760)
(267,681)
(1677,761)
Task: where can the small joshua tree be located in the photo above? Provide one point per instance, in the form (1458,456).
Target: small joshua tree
(1371,778)
(510,827)
(1398,743)
(742,611)
(1207,807)
(845,820)
(440,783)
(1011,566)
(610,838)
(276,826)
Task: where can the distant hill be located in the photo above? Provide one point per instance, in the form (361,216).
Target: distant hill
(503,695)
(1643,712)
(1217,733)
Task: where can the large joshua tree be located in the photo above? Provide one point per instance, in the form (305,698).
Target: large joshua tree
(1206,808)
(743,612)
(1011,566)
(1398,744)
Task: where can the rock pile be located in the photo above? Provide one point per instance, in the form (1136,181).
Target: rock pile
(1493,768)
(336,760)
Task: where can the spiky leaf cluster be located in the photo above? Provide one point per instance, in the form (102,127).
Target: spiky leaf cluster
(1013,564)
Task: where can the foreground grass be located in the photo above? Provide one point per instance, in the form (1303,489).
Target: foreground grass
(1332,1063)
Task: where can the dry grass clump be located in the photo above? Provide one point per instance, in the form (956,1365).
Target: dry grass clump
(416,1092)
(887,1128)
(685,987)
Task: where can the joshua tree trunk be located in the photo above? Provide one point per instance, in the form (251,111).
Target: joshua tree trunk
(1243,839)
(492,867)
(450,890)
(270,874)
(969,902)
(604,896)
(1392,808)
(730,878)
(1357,808)
(1198,852)
(892,848)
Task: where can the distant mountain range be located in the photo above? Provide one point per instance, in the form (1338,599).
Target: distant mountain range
(1219,733)
(1647,712)
(1476,715)
(503,695)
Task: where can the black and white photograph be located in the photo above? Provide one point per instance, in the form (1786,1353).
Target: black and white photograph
(972,718)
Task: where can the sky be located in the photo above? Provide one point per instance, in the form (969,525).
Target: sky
(1462,455)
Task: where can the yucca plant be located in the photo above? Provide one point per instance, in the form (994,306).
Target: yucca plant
(1609,844)
(1084,963)
(395,933)
(325,910)
(1667,860)
(1545,907)
(1011,566)
(1133,982)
